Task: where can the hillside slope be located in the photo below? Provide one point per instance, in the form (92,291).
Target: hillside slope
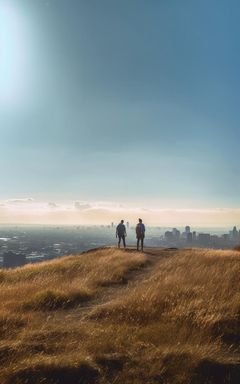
(109,316)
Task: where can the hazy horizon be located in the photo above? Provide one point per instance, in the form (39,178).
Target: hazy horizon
(30,211)
(119,109)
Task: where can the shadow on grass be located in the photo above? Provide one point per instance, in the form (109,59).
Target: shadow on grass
(228,330)
(53,300)
(212,372)
(84,374)
(111,364)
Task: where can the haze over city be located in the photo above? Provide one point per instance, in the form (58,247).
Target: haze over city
(119,109)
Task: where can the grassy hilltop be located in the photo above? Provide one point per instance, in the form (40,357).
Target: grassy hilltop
(109,316)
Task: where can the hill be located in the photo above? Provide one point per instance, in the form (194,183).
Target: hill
(109,316)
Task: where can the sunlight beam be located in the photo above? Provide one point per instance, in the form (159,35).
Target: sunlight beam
(13,54)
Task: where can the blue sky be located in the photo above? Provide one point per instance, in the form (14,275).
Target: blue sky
(133,102)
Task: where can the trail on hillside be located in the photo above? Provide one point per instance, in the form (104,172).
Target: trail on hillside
(112,291)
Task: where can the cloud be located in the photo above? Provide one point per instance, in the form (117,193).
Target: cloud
(78,212)
(82,206)
(21,201)
(52,204)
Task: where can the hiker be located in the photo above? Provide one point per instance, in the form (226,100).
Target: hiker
(140,233)
(121,233)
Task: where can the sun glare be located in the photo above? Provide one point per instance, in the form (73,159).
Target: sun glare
(13,54)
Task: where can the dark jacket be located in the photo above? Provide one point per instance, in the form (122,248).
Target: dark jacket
(140,230)
(121,230)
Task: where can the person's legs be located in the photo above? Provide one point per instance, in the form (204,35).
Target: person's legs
(124,242)
(119,241)
(142,243)
(138,243)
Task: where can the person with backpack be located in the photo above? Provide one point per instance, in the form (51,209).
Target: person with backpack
(121,233)
(140,233)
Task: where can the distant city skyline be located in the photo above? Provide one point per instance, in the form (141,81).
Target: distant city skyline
(125,108)
(22,244)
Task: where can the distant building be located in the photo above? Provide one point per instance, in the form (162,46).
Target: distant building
(204,239)
(169,236)
(215,241)
(189,237)
(235,234)
(176,233)
(226,237)
(184,234)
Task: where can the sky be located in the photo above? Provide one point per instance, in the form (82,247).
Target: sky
(120,107)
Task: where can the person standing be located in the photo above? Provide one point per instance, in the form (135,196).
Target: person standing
(140,233)
(121,233)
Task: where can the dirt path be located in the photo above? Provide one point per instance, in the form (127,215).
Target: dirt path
(132,277)
(131,280)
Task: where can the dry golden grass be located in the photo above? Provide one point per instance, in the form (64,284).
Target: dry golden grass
(75,320)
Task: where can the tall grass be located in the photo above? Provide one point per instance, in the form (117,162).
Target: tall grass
(177,322)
